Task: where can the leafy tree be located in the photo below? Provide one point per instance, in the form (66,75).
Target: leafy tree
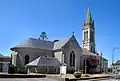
(43,36)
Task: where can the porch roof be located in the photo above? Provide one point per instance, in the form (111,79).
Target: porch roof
(44,61)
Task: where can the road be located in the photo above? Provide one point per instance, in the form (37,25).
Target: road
(57,79)
(29,79)
(101,80)
(46,79)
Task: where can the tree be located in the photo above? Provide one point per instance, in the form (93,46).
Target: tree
(43,36)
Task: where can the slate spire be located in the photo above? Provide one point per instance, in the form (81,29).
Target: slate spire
(88,16)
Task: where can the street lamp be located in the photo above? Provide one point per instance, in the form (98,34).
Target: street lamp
(116,48)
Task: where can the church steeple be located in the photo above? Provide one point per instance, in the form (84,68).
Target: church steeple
(89,32)
(88,17)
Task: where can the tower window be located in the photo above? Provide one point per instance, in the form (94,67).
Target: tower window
(86,36)
(91,36)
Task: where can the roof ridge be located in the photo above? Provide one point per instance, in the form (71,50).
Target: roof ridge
(40,39)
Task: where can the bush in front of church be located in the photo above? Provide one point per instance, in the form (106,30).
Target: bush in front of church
(22,70)
(77,74)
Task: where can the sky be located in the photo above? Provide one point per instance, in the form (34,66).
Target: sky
(21,19)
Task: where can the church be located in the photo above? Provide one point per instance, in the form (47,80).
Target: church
(45,56)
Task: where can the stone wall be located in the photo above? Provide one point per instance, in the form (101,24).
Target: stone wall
(72,45)
(32,53)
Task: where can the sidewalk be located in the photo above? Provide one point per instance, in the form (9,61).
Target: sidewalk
(71,76)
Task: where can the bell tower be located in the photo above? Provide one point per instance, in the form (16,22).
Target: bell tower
(89,33)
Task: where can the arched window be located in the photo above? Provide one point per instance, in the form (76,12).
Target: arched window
(26,59)
(72,58)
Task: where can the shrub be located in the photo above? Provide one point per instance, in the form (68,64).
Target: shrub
(12,69)
(77,74)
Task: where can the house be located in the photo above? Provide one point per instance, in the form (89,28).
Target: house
(116,67)
(4,63)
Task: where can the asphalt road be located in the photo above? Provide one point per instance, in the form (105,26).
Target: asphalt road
(59,79)
(29,79)
(46,79)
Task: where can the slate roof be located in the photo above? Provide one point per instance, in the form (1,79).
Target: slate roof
(42,44)
(86,52)
(44,61)
(117,63)
(59,44)
(35,43)
(1,56)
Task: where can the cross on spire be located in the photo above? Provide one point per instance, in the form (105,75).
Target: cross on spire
(73,33)
(88,16)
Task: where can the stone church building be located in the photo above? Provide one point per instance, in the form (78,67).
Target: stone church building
(47,56)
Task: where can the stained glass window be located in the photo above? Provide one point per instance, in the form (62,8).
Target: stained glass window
(72,58)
